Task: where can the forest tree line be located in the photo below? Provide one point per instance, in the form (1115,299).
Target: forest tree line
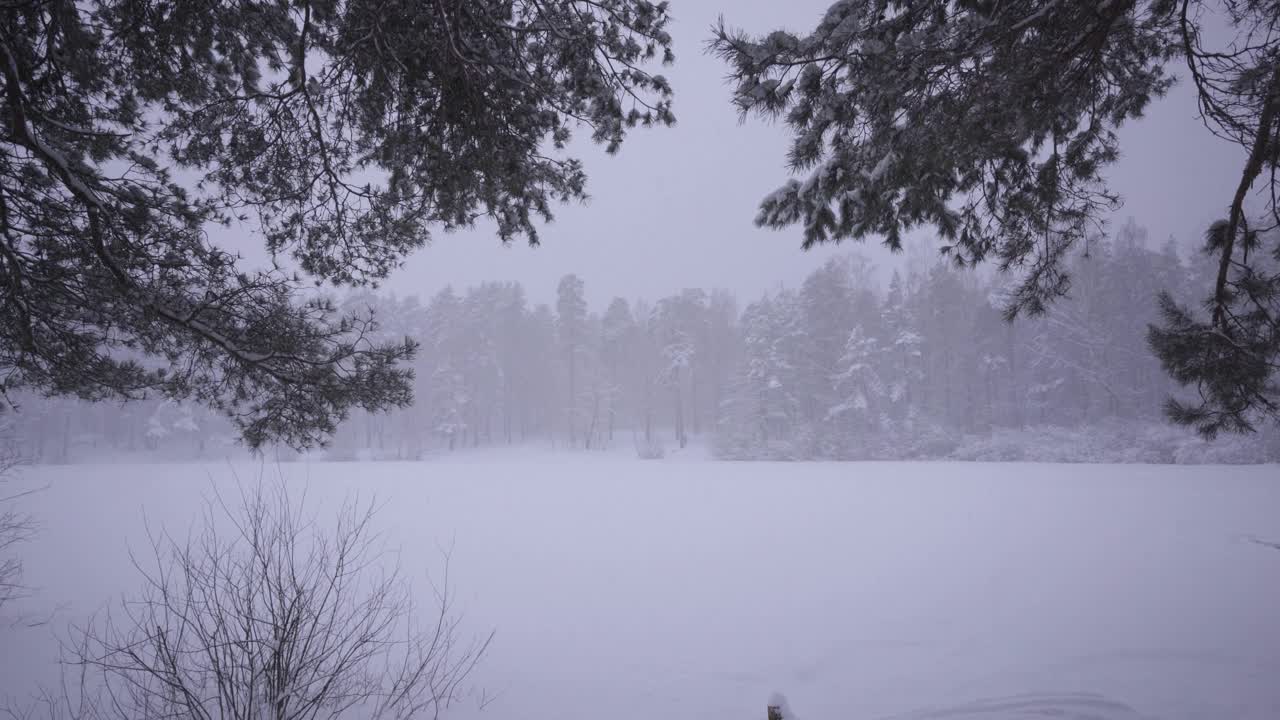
(837,368)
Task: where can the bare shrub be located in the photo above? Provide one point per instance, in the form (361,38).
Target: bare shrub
(264,612)
(15,527)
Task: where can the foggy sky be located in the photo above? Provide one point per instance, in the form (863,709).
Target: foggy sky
(674,208)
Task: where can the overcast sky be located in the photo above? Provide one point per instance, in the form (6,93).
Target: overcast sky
(674,207)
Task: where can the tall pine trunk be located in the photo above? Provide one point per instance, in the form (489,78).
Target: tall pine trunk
(573,401)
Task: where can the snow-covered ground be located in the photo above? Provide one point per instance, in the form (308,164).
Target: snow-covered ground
(677,589)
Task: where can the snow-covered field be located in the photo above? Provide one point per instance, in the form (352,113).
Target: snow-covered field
(633,590)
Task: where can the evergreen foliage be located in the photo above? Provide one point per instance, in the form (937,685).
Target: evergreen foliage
(342,131)
(993,122)
(839,368)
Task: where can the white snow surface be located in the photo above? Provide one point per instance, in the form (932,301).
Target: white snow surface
(682,588)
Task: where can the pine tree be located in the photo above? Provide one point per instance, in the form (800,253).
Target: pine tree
(859,391)
(768,393)
(903,350)
(544,389)
(343,132)
(448,399)
(617,329)
(677,351)
(826,301)
(513,365)
(571,319)
(993,122)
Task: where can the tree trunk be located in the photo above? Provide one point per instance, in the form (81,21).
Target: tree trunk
(595,411)
(1253,168)
(680,437)
(66,436)
(573,401)
(693,400)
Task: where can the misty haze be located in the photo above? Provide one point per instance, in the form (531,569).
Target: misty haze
(465,359)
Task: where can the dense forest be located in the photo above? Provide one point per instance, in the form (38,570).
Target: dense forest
(838,368)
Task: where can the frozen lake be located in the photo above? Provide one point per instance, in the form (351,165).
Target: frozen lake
(636,590)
